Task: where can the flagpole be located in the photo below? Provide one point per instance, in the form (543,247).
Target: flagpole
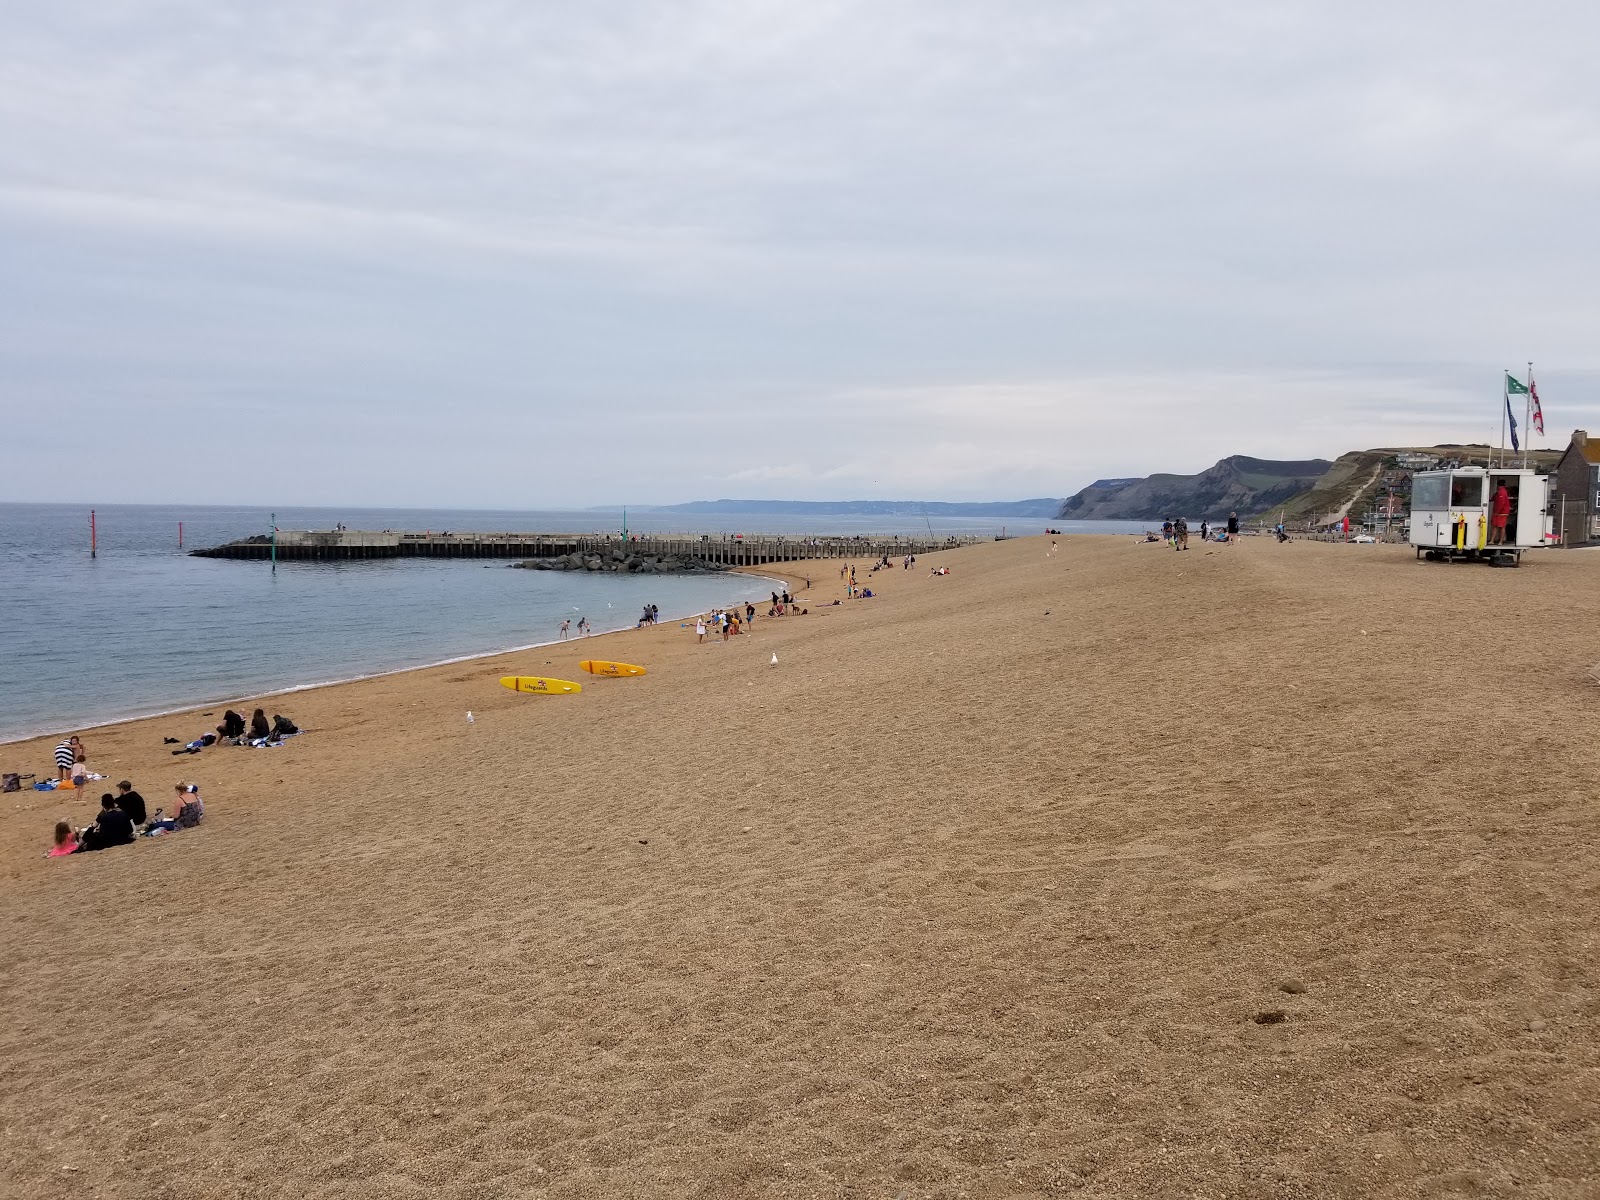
(1527,418)
(1505,407)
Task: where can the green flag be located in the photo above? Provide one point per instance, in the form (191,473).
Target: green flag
(1513,388)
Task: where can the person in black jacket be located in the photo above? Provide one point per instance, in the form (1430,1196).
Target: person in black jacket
(232,725)
(110,828)
(130,802)
(258,726)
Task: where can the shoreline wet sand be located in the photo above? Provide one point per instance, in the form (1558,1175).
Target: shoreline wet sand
(1251,871)
(181,709)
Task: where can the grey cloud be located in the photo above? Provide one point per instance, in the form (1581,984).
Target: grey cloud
(730,239)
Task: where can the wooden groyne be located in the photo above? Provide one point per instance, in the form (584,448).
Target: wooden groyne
(724,550)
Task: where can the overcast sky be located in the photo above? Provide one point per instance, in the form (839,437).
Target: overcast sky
(527,255)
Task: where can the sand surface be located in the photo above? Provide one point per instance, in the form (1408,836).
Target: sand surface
(978,892)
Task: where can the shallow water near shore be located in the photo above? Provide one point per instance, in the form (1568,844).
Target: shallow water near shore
(144,627)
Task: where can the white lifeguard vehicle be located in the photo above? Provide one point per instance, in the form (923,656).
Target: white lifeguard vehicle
(1452,514)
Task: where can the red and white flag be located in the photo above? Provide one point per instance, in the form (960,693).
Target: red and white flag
(1538,413)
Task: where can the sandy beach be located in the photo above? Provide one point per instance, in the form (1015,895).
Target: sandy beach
(1260,871)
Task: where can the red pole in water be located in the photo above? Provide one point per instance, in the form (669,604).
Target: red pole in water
(91,534)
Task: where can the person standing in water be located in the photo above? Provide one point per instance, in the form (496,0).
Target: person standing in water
(566,627)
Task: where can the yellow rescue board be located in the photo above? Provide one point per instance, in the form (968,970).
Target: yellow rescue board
(539,685)
(616,670)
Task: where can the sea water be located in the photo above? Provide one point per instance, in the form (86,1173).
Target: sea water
(143,627)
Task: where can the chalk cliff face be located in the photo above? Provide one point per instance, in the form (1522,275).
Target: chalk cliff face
(1237,484)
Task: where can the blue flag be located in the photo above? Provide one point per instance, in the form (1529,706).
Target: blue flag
(1515,445)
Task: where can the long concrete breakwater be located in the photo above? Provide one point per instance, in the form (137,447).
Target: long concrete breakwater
(746,550)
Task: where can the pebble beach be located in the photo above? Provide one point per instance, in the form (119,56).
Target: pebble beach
(1249,871)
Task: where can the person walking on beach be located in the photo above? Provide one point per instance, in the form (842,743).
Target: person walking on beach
(566,627)
(1233,528)
(1180,532)
(700,629)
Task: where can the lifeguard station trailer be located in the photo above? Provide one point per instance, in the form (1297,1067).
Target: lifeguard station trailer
(1451,511)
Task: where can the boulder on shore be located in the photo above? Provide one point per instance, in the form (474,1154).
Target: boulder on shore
(641,564)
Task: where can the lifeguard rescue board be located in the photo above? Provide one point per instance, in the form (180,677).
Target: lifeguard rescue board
(615,670)
(539,685)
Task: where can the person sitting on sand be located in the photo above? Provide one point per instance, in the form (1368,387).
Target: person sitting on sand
(282,727)
(258,725)
(111,827)
(232,725)
(66,841)
(190,807)
(130,802)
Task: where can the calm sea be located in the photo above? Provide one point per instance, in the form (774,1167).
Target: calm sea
(144,627)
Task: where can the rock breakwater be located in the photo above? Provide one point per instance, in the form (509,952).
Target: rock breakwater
(622,560)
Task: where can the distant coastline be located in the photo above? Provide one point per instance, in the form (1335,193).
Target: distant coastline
(1044,508)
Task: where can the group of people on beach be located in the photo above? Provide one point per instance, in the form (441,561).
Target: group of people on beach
(124,817)
(731,622)
(72,763)
(583,627)
(1175,532)
(234,732)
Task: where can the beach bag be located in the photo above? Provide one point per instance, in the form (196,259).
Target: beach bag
(11,782)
